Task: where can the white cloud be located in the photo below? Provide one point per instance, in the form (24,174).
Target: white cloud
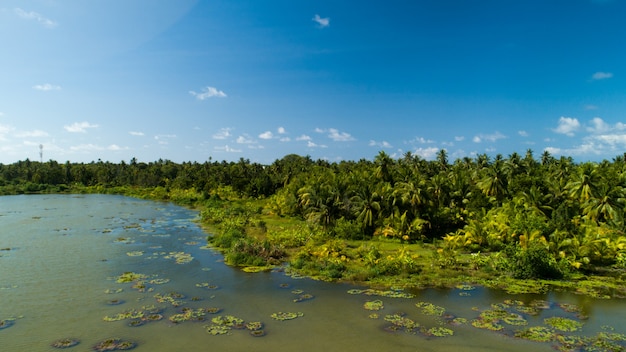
(598,126)
(208,92)
(488,137)
(522,133)
(222,133)
(591,107)
(164,139)
(46,87)
(601,75)
(321,21)
(4,130)
(304,137)
(310,144)
(35,16)
(80,127)
(426,153)
(567,126)
(136,133)
(281,130)
(85,148)
(35,133)
(337,136)
(227,149)
(266,135)
(459,138)
(245,139)
(382,144)
(421,140)
(319,130)
(285,139)
(115,147)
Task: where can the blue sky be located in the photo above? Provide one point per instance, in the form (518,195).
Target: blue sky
(191,80)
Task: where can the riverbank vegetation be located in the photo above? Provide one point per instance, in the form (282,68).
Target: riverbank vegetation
(518,223)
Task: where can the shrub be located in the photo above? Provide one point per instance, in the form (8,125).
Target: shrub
(535,262)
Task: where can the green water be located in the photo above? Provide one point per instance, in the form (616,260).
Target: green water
(61,255)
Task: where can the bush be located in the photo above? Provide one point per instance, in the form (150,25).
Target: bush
(535,262)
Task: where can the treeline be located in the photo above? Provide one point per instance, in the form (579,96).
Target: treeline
(572,211)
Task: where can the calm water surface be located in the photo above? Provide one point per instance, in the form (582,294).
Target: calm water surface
(61,256)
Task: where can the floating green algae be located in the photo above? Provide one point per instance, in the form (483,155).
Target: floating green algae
(400,322)
(282,316)
(430,309)
(303,297)
(114,344)
(382,293)
(66,342)
(439,332)
(374,305)
(563,324)
(536,333)
(130,277)
(134,253)
(179,257)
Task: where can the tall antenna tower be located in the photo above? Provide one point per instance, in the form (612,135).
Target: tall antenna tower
(41,153)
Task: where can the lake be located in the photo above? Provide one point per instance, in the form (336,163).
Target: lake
(101,269)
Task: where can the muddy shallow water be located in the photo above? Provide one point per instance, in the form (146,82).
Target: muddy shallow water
(61,257)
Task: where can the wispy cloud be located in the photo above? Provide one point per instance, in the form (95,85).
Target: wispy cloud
(46,87)
(281,130)
(245,139)
(382,144)
(567,126)
(337,136)
(426,153)
(488,137)
(322,22)
(222,133)
(304,137)
(30,15)
(601,75)
(31,134)
(227,149)
(522,133)
(266,135)
(208,92)
(164,139)
(79,127)
(136,133)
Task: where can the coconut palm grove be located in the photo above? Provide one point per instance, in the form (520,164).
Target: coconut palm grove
(519,222)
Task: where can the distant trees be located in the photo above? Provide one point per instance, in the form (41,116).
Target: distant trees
(575,211)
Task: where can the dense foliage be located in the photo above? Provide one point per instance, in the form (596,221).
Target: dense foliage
(550,215)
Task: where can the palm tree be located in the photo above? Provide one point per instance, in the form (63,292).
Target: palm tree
(584,184)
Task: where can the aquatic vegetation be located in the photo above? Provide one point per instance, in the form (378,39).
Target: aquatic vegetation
(257,269)
(430,309)
(373,316)
(254,325)
(515,319)
(114,344)
(191,243)
(229,320)
(179,257)
(189,314)
(563,324)
(374,305)
(217,329)
(213,310)
(130,277)
(207,286)
(382,293)
(439,332)
(282,316)
(173,298)
(487,324)
(297,292)
(570,308)
(136,322)
(465,287)
(304,297)
(134,253)
(536,333)
(159,281)
(457,321)
(400,322)
(65,343)
(112,291)
(284,285)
